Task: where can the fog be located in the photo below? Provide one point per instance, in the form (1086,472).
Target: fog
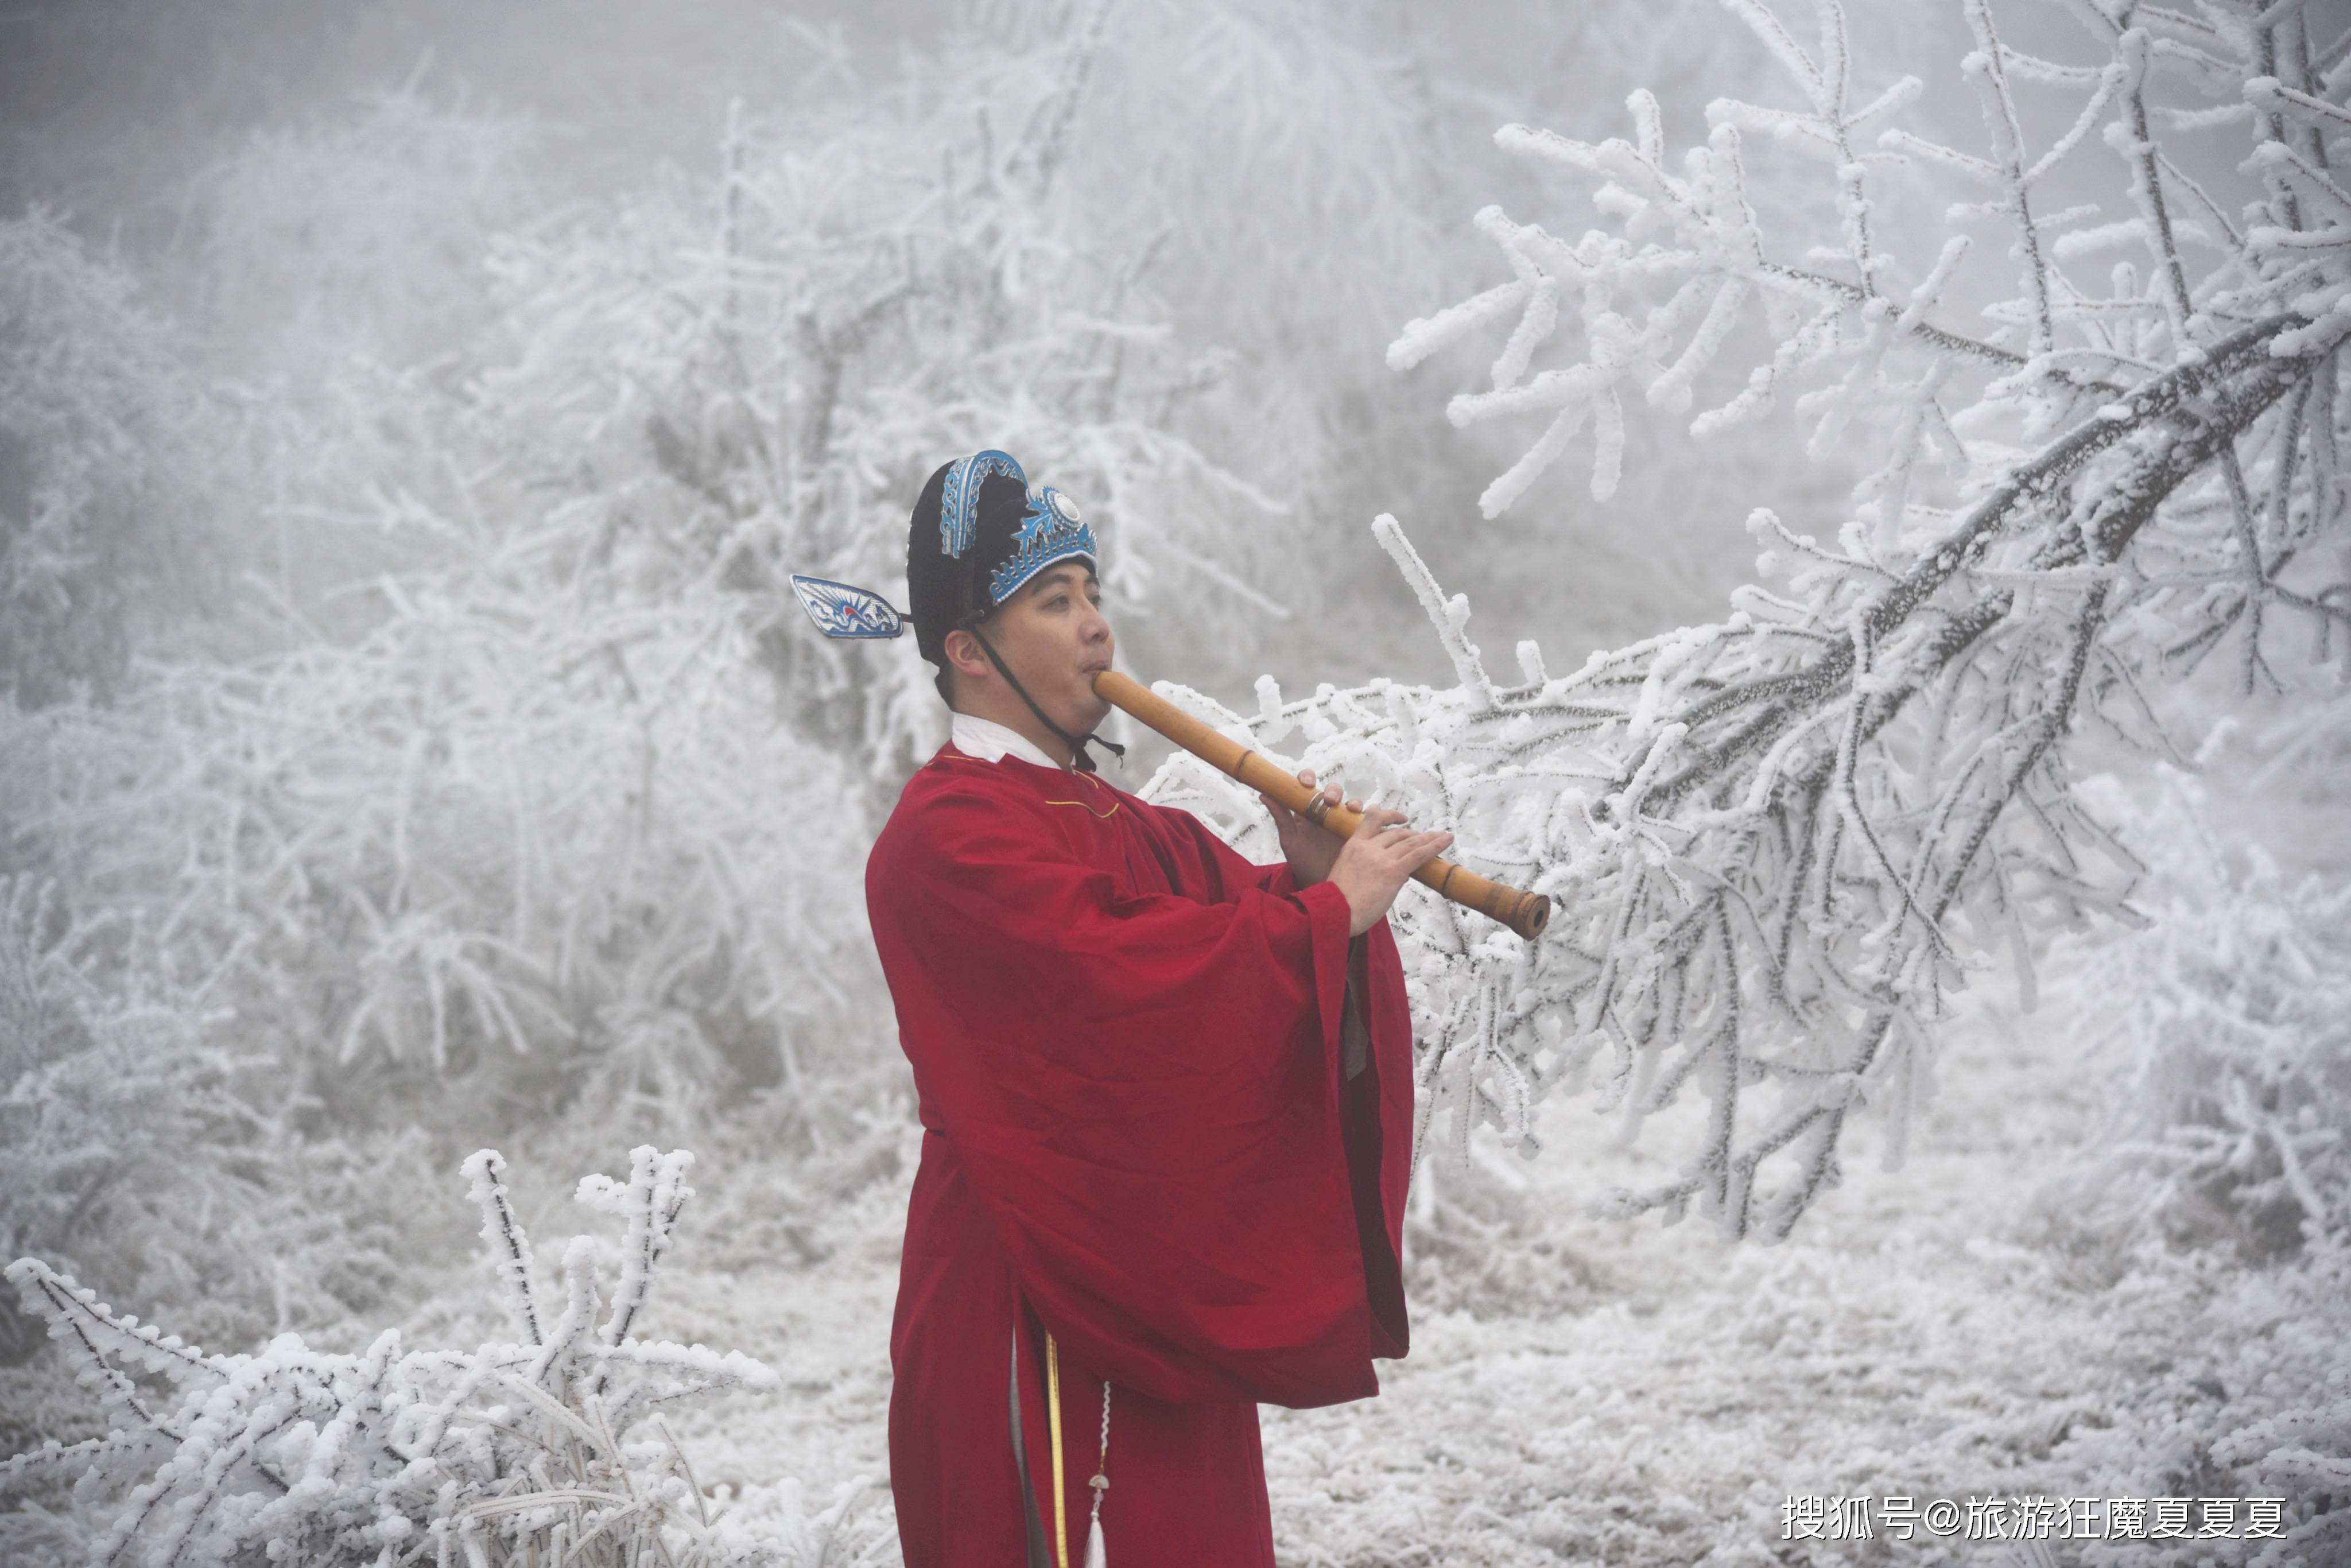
(1864,535)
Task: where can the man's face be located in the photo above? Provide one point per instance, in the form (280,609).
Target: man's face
(1054,637)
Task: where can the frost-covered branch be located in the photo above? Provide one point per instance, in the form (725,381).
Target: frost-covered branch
(1778,843)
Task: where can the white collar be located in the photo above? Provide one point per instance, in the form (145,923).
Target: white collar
(990,741)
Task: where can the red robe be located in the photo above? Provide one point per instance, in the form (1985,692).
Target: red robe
(1141,1136)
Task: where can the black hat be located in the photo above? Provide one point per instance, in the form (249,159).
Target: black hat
(976,535)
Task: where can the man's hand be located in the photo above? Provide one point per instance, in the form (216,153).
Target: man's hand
(1309,849)
(1376,861)
(1370,866)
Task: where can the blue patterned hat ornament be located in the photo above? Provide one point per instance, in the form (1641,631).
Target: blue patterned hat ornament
(842,610)
(959,501)
(1051,530)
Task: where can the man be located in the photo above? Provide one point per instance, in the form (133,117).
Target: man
(1167,1094)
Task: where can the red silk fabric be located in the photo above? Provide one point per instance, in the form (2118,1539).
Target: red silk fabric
(1139,1136)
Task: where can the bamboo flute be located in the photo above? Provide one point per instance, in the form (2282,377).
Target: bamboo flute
(1524,913)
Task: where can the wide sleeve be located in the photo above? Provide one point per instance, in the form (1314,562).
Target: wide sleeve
(1145,1094)
(1375,1111)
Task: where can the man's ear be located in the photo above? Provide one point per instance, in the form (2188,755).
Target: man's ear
(964,654)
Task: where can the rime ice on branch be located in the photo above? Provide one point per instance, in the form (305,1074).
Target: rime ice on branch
(1776,843)
(549,1448)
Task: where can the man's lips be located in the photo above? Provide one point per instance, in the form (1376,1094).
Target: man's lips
(1094,669)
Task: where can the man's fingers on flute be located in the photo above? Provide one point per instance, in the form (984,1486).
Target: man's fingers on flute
(1330,791)
(1400,854)
(1414,848)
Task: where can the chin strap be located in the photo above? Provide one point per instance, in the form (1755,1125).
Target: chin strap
(1076,743)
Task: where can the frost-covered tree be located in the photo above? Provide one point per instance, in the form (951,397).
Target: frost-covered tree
(548,1447)
(2100,443)
(732,381)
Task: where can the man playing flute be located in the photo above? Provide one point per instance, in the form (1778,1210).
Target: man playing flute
(1167,1094)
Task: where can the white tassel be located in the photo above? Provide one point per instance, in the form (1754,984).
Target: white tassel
(1100,1481)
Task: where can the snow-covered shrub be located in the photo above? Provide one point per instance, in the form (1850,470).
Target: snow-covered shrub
(2222,1163)
(1777,842)
(142,1144)
(526,822)
(2238,998)
(548,1448)
(99,499)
